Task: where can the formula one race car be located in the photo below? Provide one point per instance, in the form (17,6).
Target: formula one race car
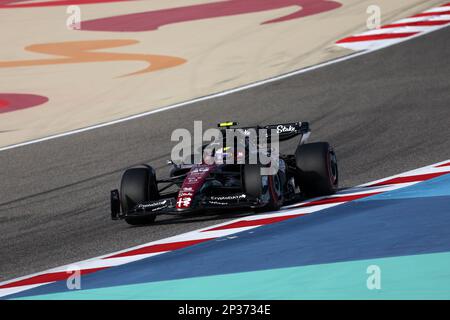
(230,182)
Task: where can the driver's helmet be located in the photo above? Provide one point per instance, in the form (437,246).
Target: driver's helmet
(225,154)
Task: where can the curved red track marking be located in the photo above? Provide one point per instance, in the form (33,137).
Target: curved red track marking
(152,20)
(11,4)
(3,103)
(17,101)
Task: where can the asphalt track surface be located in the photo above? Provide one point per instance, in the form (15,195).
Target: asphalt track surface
(385,112)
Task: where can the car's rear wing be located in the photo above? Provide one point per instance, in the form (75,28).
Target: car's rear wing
(285,131)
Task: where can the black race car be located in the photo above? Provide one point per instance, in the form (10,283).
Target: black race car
(231,182)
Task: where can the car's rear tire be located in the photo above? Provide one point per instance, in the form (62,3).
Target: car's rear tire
(253,186)
(318,169)
(138,185)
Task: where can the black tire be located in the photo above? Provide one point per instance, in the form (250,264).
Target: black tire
(275,190)
(318,169)
(252,180)
(253,186)
(138,185)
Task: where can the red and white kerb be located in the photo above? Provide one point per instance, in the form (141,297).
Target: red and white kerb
(427,21)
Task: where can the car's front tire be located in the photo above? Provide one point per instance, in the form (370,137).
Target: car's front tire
(318,169)
(138,185)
